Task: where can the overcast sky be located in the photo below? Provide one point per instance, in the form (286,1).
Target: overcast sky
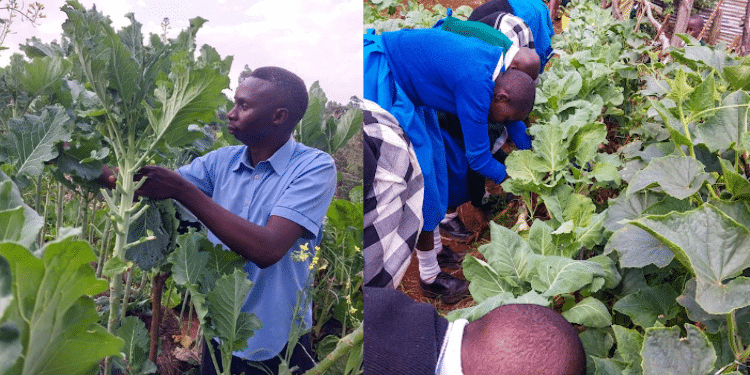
(319,40)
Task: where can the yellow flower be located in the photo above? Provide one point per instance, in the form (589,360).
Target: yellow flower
(304,247)
(352,310)
(314,262)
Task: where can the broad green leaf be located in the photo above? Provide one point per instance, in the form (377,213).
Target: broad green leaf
(629,344)
(648,305)
(188,262)
(626,208)
(666,353)
(739,211)
(552,148)
(524,167)
(713,247)
(738,77)
(679,176)
(729,124)
(564,205)
(195,95)
(509,255)
(115,266)
(477,311)
(696,313)
(557,275)
(43,75)
(346,127)
(608,366)
(638,248)
(712,57)
(540,238)
(609,267)
(654,87)
(680,89)
(11,222)
(737,184)
(136,343)
(159,220)
(584,144)
(704,96)
(590,312)
(61,325)
(592,234)
(311,129)
(229,323)
(484,280)
(606,169)
(30,140)
(597,341)
(221,261)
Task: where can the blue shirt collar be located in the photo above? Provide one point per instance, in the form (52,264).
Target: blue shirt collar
(278,161)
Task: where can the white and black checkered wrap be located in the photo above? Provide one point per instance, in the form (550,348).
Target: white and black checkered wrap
(515,29)
(392,201)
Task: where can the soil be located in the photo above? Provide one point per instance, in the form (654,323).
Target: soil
(178,350)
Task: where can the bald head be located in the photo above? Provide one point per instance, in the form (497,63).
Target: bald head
(522,339)
(527,61)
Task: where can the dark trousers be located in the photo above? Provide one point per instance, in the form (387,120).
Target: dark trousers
(300,358)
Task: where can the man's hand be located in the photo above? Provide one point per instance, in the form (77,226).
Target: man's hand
(161,183)
(107,178)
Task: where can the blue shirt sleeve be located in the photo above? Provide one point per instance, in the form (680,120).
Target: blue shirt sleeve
(517,134)
(473,113)
(200,172)
(305,201)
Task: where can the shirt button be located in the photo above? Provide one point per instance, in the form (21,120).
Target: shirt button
(256,176)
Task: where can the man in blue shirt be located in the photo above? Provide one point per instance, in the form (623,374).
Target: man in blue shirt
(262,200)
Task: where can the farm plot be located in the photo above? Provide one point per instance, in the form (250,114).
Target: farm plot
(629,214)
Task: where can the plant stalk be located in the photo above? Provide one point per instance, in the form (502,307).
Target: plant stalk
(159,280)
(344,346)
(126,293)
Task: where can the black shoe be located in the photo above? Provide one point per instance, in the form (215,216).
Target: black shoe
(448,288)
(449,259)
(455,228)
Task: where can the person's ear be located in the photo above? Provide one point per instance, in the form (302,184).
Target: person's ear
(280,116)
(500,97)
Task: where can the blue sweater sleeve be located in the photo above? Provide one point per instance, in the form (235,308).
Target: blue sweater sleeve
(517,134)
(473,112)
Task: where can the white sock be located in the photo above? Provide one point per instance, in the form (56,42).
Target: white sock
(437,241)
(448,217)
(428,265)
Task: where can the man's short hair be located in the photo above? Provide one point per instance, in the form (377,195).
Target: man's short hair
(289,88)
(522,88)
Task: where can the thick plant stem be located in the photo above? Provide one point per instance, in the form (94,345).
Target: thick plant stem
(156,309)
(345,345)
(103,248)
(126,293)
(59,211)
(124,198)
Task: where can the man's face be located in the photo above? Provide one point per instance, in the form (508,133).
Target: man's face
(501,111)
(251,118)
(694,28)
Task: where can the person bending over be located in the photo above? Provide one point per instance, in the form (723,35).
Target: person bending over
(414,73)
